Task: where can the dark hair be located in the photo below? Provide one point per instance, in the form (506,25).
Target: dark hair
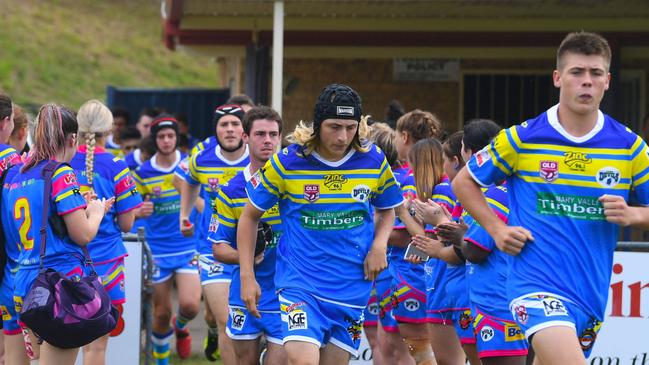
(147,146)
(584,43)
(394,112)
(183,142)
(453,146)
(181,118)
(5,106)
(260,112)
(130,132)
(119,112)
(240,99)
(151,112)
(478,133)
(20,120)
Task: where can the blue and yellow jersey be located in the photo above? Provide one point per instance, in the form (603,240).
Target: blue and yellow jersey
(111,178)
(8,157)
(134,159)
(207,143)
(12,238)
(162,231)
(327,218)
(229,204)
(554,181)
(114,148)
(488,280)
(25,201)
(211,170)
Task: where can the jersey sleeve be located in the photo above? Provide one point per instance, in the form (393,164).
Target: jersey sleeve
(226,230)
(408,187)
(66,192)
(192,175)
(497,160)
(497,200)
(388,193)
(8,157)
(182,170)
(139,184)
(443,195)
(640,173)
(266,187)
(127,197)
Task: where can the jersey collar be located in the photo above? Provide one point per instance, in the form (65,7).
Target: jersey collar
(247,174)
(154,164)
(553,119)
(334,163)
(218,153)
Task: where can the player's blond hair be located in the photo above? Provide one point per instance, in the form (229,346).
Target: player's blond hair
(304,136)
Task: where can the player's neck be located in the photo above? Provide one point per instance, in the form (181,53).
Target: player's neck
(234,155)
(165,160)
(577,125)
(255,164)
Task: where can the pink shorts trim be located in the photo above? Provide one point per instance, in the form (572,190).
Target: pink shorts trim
(370,323)
(391,329)
(411,320)
(502,353)
(12,332)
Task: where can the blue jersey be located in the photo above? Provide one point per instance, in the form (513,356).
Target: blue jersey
(554,181)
(8,157)
(134,159)
(208,142)
(211,170)
(111,178)
(230,202)
(487,280)
(12,238)
(327,218)
(162,230)
(25,199)
(113,148)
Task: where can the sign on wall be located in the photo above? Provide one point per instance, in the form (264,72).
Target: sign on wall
(421,69)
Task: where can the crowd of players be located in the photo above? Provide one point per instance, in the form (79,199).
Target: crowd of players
(443,248)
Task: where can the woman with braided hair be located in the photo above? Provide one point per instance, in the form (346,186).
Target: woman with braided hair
(105,176)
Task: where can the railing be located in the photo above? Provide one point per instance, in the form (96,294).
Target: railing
(629,246)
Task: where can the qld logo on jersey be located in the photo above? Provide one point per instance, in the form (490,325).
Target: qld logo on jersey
(608,176)
(482,156)
(311,192)
(549,170)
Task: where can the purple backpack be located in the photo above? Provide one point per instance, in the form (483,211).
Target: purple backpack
(63,312)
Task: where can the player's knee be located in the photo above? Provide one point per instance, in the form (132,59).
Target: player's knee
(189,309)
(420,350)
(162,316)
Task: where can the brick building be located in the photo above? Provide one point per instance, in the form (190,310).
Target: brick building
(459,59)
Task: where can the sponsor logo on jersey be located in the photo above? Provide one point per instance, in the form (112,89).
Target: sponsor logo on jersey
(213,182)
(335,181)
(465,319)
(238,318)
(361,193)
(6,316)
(549,170)
(521,313)
(482,156)
(311,192)
(588,337)
(214,268)
(576,161)
(355,328)
(70,179)
(411,304)
(608,176)
(513,333)
(332,220)
(487,333)
(214,224)
(18,303)
(573,206)
(157,190)
(554,307)
(167,207)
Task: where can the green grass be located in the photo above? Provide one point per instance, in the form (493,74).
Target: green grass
(68,51)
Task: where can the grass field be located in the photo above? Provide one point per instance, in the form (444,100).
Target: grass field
(68,51)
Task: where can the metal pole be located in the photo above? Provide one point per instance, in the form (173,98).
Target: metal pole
(278,55)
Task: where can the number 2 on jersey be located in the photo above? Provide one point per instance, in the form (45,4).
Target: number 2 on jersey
(21,211)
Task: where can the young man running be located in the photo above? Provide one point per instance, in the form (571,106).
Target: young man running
(328,186)
(262,130)
(569,172)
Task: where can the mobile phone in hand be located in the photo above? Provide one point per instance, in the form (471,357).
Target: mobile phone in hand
(413,250)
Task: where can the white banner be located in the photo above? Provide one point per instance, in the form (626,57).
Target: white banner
(125,348)
(624,337)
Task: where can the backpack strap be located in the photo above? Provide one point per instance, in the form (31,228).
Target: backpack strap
(3,241)
(47,173)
